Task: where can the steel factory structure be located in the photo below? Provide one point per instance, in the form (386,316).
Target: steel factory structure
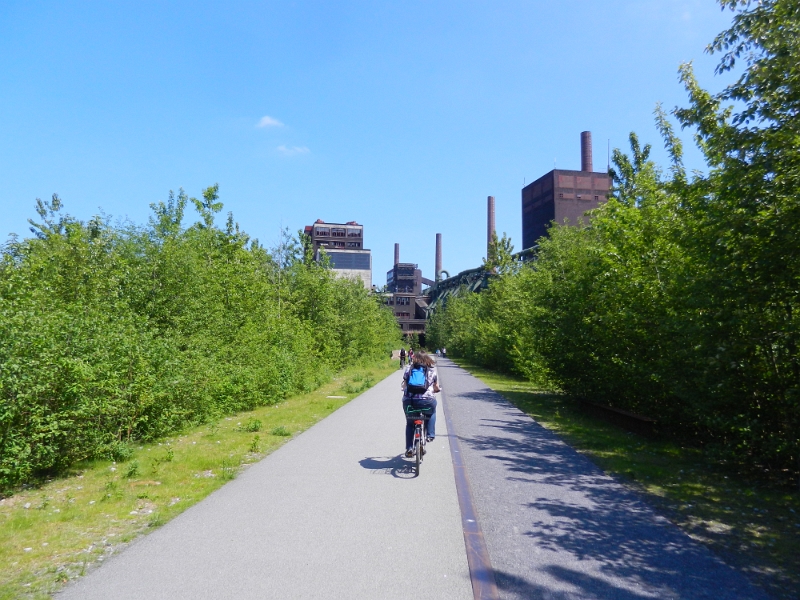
(343,243)
(560,196)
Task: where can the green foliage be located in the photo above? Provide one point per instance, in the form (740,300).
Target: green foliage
(251,425)
(680,299)
(499,259)
(111,334)
(358,384)
(281,431)
(133,469)
(121,451)
(411,340)
(228,470)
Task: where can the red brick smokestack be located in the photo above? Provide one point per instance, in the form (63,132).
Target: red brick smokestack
(586,151)
(396,253)
(438,268)
(489,223)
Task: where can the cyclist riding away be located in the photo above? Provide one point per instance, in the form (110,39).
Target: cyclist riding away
(420,383)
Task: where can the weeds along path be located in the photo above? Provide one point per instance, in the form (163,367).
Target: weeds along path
(556,526)
(335,513)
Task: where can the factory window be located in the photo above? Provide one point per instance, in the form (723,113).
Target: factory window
(561,195)
(597,197)
(353,232)
(337,231)
(324,231)
(338,244)
(354,244)
(403,301)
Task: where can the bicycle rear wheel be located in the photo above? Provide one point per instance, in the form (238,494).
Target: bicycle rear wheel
(417,448)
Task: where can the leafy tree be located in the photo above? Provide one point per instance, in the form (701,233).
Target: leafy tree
(679,300)
(500,255)
(111,334)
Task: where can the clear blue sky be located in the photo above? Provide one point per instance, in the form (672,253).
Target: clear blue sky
(402,115)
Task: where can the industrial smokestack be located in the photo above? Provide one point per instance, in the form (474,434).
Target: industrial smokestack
(489,223)
(438,271)
(586,151)
(396,253)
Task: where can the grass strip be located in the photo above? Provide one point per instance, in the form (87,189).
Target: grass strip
(751,525)
(56,531)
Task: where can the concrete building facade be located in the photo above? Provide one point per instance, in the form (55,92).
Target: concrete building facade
(344,245)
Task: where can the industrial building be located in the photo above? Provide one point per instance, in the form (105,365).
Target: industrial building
(343,243)
(404,293)
(562,196)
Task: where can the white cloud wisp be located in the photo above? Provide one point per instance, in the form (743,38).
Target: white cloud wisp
(267,121)
(292,150)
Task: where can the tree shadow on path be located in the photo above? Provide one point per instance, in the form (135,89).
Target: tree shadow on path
(574,585)
(590,533)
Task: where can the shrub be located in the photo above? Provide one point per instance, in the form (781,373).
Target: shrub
(114,334)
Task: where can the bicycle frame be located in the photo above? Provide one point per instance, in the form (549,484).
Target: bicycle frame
(420,433)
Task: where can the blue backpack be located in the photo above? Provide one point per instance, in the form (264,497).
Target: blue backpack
(417,380)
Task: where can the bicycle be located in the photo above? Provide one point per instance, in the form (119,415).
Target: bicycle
(420,416)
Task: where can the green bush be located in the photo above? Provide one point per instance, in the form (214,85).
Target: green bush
(680,300)
(114,334)
(281,431)
(251,425)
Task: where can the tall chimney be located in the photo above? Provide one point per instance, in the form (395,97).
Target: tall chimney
(438,271)
(489,223)
(586,151)
(396,253)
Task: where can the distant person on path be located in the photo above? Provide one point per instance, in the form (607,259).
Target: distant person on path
(410,354)
(402,357)
(420,397)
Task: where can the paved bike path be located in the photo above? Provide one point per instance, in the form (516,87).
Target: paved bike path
(556,526)
(335,513)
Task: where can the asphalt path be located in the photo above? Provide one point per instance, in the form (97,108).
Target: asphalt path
(556,526)
(334,513)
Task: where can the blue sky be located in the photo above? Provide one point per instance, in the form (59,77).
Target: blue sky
(403,116)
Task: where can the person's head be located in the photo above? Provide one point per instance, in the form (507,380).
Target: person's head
(423,359)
